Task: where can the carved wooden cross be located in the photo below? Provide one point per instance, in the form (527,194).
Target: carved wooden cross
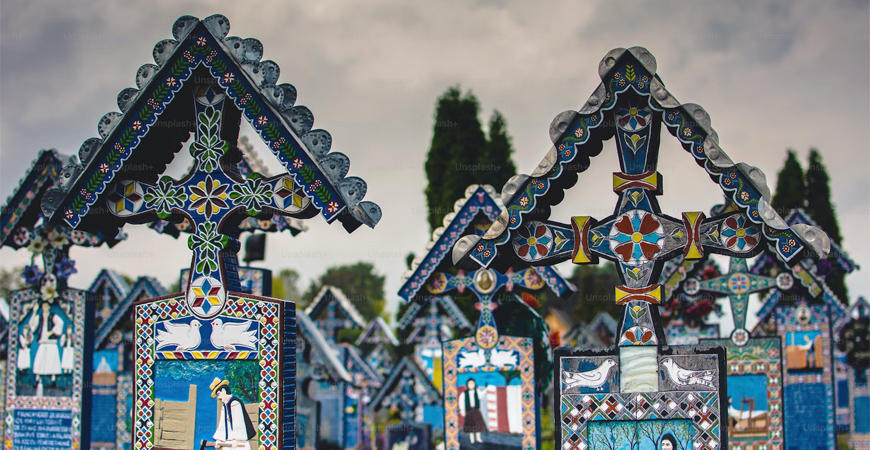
(737,284)
(215,199)
(484,283)
(52,243)
(638,237)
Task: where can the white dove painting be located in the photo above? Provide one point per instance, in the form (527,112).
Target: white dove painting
(594,378)
(499,358)
(184,336)
(233,335)
(681,376)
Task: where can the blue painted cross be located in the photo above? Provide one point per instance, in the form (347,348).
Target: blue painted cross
(214,198)
(484,283)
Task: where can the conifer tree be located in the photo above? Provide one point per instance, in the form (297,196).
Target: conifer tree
(819,207)
(790,188)
(457,143)
(818,195)
(461,155)
(496,165)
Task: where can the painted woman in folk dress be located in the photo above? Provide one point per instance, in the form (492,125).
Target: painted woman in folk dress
(474,423)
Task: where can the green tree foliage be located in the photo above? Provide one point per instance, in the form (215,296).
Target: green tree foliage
(790,190)
(854,342)
(10,280)
(820,208)
(811,191)
(595,291)
(495,163)
(244,378)
(286,287)
(516,318)
(461,155)
(359,282)
(818,195)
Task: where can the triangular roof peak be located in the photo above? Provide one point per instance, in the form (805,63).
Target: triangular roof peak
(111,280)
(799,216)
(361,371)
(406,365)
(330,294)
(22,206)
(377,332)
(251,84)
(143,288)
(478,200)
(579,135)
(327,354)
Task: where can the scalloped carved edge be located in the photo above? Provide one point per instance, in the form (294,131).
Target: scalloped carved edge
(263,75)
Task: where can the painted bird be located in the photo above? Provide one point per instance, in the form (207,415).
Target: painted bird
(230,335)
(684,377)
(498,358)
(184,336)
(591,378)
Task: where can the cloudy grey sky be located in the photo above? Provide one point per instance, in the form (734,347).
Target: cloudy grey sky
(773,75)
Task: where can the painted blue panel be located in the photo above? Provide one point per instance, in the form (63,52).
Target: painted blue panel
(807,417)
(842,394)
(862,415)
(37,429)
(331,411)
(103,417)
(351,417)
(434,415)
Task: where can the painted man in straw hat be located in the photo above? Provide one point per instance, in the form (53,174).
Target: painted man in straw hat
(234,428)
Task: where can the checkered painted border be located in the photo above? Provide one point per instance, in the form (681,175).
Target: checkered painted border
(702,408)
(2,390)
(150,312)
(767,360)
(79,300)
(451,350)
(123,434)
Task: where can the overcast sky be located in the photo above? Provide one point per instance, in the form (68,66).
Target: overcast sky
(772,75)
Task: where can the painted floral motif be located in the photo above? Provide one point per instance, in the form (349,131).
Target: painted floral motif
(253,194)
(21,237)
(634,141)
(208,147)
(487,337)
(636,237)
(57,239)
(738,234)
(208,197)
(533,241)
(639,336)
(533,279)
(78,237)
(633,118)
(37,245)
(48,291)
(65,267)
(31,274)
(164,197)
(437,283)
(207,242)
